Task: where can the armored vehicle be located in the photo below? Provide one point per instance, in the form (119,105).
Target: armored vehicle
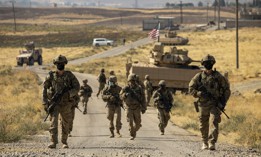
(30,55)
(173,66)
(171,38)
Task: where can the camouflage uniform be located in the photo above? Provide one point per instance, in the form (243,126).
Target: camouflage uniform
(85,93)
(163,100)
(111,96)
(56,81)
(134,99)
(217,88)
(148,89)
(102,81)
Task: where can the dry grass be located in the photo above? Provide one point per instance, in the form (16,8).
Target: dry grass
(20,104)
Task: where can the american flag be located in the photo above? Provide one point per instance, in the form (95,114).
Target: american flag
(154,33)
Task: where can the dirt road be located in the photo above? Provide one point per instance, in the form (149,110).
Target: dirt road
(91,134)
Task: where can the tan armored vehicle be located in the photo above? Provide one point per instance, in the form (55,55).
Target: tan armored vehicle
(171,38)
(30,55)
(173,66)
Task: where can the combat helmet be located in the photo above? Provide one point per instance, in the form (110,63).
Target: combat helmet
(102,70)
(85,81)
(137,77)
(132,77)
(113,79)
(208,58)
(147,77)
(162,83)
(60,59)
(112,72)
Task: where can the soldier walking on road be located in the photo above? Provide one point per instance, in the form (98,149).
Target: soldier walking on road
(213,91)
(163,100)
(148,89)
(133,97)
(111,95)
(102,81)
(85,93)
(58,81)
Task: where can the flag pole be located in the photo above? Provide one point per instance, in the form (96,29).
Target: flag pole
(159,30)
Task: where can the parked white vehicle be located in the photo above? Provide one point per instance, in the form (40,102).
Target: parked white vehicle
(102,42)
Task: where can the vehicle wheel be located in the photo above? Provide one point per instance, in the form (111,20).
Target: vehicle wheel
(97,45)
(109,44)
(40,60)
(19,64)
(31,61)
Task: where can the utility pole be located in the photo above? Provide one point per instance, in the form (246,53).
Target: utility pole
(14,15)
(181,13)
(215,10)
(218,14)
(207,12)
(237,53)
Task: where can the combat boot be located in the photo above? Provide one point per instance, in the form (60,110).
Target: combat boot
(133,136)
(204,146)
(212,146)
(85,112)
(65,146)
(162,133)
(118,133)
(52,145)
(112,134)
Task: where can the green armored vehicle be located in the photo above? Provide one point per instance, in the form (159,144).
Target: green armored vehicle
(173,66)
(30,55)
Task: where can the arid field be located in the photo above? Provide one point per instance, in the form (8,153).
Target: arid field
(70,32)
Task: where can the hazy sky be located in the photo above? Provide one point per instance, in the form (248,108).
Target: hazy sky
(126,3)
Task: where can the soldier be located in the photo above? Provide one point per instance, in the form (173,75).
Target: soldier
(102,81)
(57,81)
(163,100)
(76,100)
(85,93)
(213,91)
(148,89)
(111,95)
(134,98)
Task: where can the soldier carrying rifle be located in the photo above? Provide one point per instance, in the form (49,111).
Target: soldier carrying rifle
(59,91)
(111,95)
(163,100)
(213,91)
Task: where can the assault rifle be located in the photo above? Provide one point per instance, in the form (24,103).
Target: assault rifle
(220,102)
(167,104)
(56,99)
(117,99)
(133,94)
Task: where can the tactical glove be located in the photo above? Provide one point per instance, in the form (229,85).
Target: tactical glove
(202,94)
(143,111)
(112,98)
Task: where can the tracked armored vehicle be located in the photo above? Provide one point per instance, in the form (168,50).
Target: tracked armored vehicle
(171,38)
(30,55)
(173,66)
